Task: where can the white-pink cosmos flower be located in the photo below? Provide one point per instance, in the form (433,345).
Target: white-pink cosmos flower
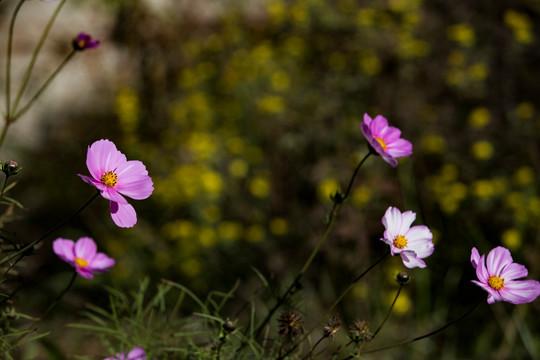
(83,256)
(497,275)
(385,139)
(412,243)
(137,353)
(115,177)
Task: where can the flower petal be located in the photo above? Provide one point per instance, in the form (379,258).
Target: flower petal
(113,195)
(378,125)
(137,353)
(399,148)
(407,219)
(481,270)
(103,156)
(85,272)
(520,292)
(513,271)
(497,259)
(392,221)
(63,248)
(133,180)
(101,263)
(123,215)
(410,259)
(85,248)
(475,257)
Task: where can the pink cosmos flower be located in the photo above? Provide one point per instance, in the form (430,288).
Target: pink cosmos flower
(113,175)
(84,41)
(385,140)
(137,353)
(412,243)
(498,278)
(83,256)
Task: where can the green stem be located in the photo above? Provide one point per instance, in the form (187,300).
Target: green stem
(428,334)
(389,312)
(43,237)
(8,60)
(4,187)
(35,55)
(44,86)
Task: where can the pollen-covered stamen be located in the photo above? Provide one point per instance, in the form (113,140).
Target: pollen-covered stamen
(109,178)
(382,143)
(400,241)
(496,282)
(81,262)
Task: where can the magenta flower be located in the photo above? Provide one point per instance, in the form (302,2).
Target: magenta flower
(412,243)
(498,278)
(385,140)
(137,353)
(113,175)
(83,256)
(84,41)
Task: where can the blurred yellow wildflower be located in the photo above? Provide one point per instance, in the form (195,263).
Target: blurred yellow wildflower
(523,176)
(207,236)
(327,188)
(211,213)
(254,233)
(478,71)
(278,226)
(259,187)
(280,80)
(295,45)
(511,239)
(482,150)
(479,117)
(230,230)
(369,63)
(433,143)
(520,24)
(191,267)
(235,145)
(525,110)
(126,107)
(366,17)
(271,104)
(238,168)
(403,303)
(461,33)
(361,196)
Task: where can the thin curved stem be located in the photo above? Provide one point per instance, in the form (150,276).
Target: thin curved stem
(44,86)
(388,313)
(8,60)
(35,55)
(428,334)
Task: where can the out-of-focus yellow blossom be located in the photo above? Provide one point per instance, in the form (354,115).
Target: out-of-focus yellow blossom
(369,63)
(455,77)
(523,176)
(403,303)
(238,168)
(404,5)
(262,53)
(327,188)
(478,71)
(479,117)
(295,45)
(191,267)
(520,24)
(449,172)
(235,145)
(212,183)
(259,187)
(277,11)
(337,61)
(271,104)
(525,110)
(361,196)
(366,17)
(211,213)
(280,80)
(207,236)
(230,230)
(188,78)
(409,47)
(448,192)
(278,226)
(254,233)
(482,150)
(432,143)
(461,33)
(511,239)
(515,200)
(126,107)
(300,14)
(203,146)
(180,229)
(483,189)
(534,206)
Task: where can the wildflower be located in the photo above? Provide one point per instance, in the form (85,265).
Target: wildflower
(137,353)
(290,323)
(84,41)
(332,327)
(412,243)
(11,167)
(403,278)
(498,278)
(83,256)
(385,140)
(359,331)
(113,175)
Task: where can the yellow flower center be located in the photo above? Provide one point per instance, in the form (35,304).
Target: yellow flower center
(400,241)
(381,141)
(496,282)
(109,178)
(81,262)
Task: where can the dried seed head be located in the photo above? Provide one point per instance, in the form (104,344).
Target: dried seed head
(360,331)
(290,323)
(332,327)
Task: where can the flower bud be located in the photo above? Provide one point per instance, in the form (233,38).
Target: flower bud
(403,278)
(11,167)
(84,41)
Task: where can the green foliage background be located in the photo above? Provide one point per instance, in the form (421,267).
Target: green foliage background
(248,119)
